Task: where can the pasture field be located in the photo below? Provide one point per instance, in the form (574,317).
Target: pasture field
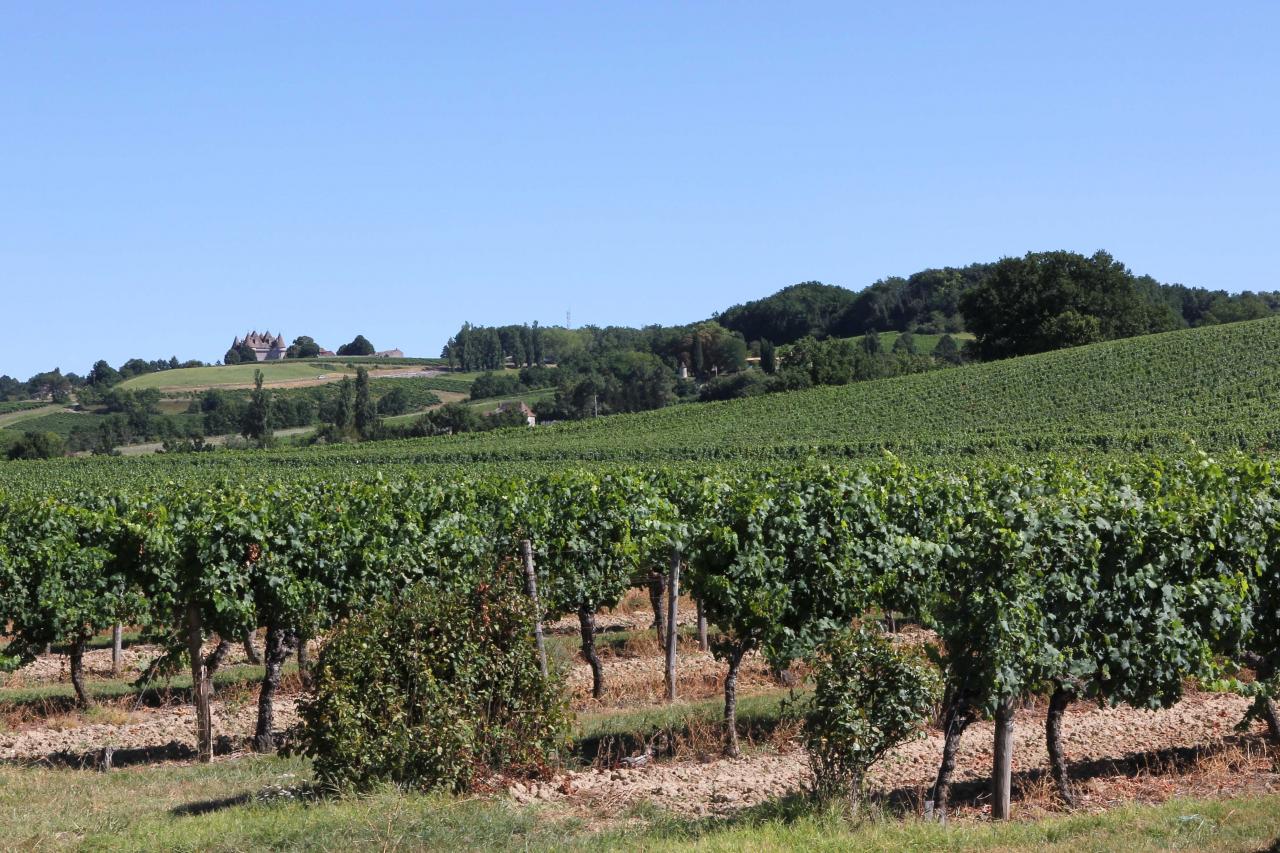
(290,371)
(234,375)
(925,344)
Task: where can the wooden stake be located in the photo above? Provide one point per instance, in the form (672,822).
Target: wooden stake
(531,585)
(117,648)
(703,644)
(200,687)
(1002,764)
(673,595)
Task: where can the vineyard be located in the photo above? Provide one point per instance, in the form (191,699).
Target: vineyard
(1138,578)
(1120,582)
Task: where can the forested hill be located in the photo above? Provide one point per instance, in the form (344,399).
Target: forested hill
(1216,388)
(941,300)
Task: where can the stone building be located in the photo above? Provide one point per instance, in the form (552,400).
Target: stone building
(264,346)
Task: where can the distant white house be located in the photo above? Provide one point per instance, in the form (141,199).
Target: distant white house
(517,406)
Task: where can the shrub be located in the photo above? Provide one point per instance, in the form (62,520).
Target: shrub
(495,385)
(869,697)
(438,689)
(37,445)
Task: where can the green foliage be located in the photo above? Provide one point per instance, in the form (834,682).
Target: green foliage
(257,422)
(947,350)
(790,314)
(394,402)
(768,357)
(906,343)
(366,413)
(590,532)
(103,375)
(37,445)
(241,354)
(437,689)
(359,346)
(869,697)
(303,346)
(496,385)
(1051,300)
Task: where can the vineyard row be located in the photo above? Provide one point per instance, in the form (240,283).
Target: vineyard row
(1117,582)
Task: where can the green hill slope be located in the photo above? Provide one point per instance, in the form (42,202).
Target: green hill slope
(1217,386)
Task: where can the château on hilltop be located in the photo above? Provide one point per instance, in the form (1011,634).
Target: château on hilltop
(264,346)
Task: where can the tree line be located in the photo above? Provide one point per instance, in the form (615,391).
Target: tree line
(1015,306)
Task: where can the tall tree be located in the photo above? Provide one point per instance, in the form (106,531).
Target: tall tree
(359,346)
(257,423)
(768,357)
(344,411)
(947,350)
(303,346)
(366,415)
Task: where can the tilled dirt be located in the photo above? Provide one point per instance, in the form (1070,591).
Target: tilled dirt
(633,620)
(134,659)
(632,682)
(723,786)
(151,727)
(1092,736)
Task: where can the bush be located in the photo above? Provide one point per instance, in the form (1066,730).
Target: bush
(495,385)
(394,402)
(37,445)
(438,689)
(869,697)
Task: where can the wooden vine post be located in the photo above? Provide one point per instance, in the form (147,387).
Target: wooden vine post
(117,648)
(201,691)
(531,586)
(703,643)
(1002,762)
(673,595)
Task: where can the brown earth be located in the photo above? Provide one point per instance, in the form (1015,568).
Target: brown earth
(1148,739)
(1120,754)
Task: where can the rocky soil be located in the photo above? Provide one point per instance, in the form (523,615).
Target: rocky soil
(142,728)
(722,786)
(54,669)
(1142,744)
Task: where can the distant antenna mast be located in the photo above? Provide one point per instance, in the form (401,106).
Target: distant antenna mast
(568,320)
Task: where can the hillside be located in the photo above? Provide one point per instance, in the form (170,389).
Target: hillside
(1217,386)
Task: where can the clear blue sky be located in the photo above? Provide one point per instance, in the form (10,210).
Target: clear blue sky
(172,174)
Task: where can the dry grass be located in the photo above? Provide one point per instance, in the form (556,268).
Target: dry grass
(635,600)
